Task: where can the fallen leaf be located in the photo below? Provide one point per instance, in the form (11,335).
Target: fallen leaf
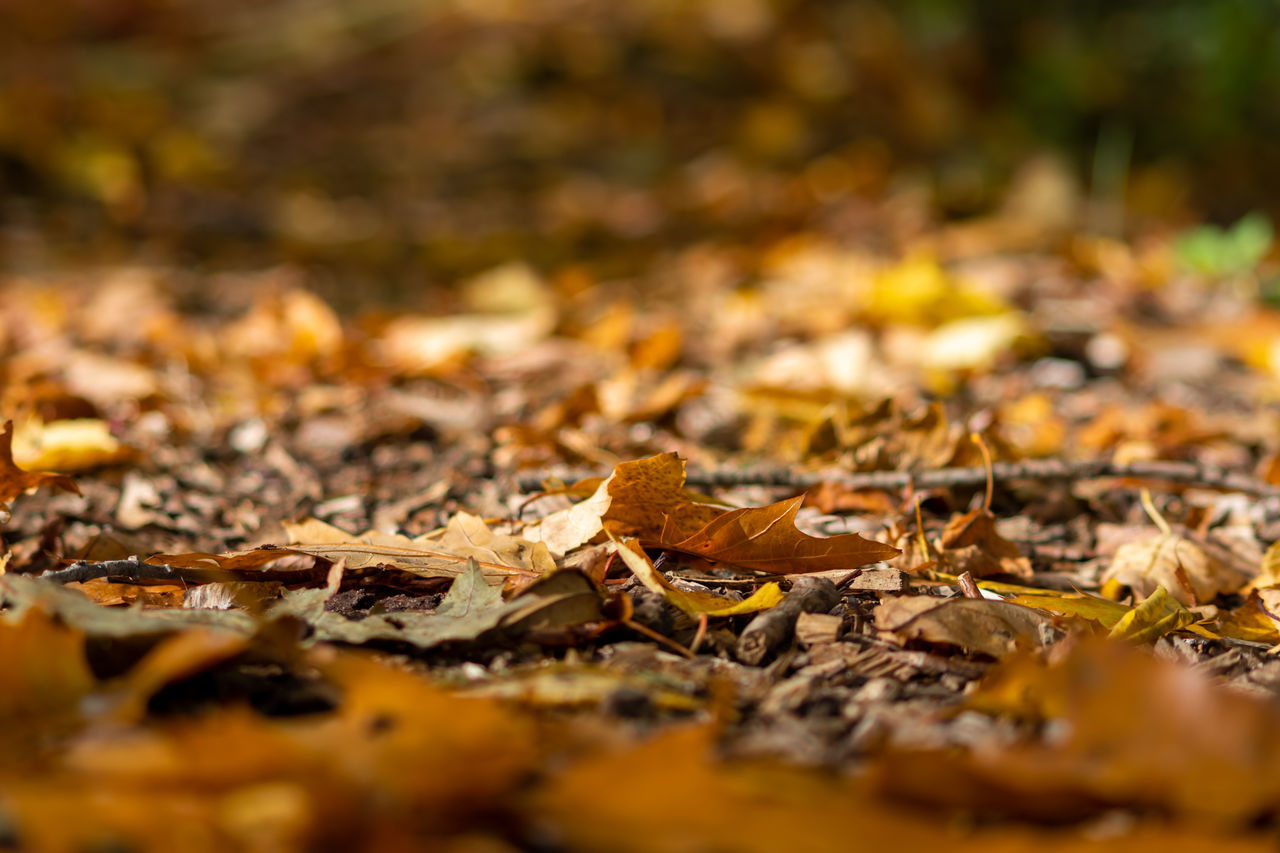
(970,543)
(559,601)
(693,603)
(469,593)
(646,499)
(1174,562)
(68,445)
(995,628)
(1252,621)
(766,539)
(1082,605)
(762,807)
(500,556)
(1128,731)
(1269,570)
(1153,617)
(43,671)
(14,481)
(640,498)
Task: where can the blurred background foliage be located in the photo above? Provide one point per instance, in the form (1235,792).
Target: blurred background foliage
(396,142)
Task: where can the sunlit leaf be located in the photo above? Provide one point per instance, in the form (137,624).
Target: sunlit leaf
(691,602)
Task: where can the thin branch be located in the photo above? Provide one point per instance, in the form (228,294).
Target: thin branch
(1044,470)
(135,571)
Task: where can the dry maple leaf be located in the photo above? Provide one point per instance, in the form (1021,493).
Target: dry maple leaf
(766,539)
(640,498)
(14,481)
(646,499)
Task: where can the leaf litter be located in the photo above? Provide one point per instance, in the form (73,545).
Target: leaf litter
(299,594)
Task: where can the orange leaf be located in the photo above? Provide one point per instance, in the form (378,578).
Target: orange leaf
(766,539)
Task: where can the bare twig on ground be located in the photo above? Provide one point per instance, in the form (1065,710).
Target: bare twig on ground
(1045,470)
(135,571)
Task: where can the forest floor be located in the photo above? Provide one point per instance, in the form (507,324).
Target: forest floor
(939,537)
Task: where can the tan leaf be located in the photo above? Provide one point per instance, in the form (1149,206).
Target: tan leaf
(996,628)
(1179,565)
(499,556)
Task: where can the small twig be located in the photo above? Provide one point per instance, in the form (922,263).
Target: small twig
(967,585)
(774,627)
(134,570)
(1181,473)
(131,570)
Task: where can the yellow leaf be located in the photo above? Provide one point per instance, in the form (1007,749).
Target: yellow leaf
(1101,610)
(693,603)
(1269,574)
(69,445)
(1153,617)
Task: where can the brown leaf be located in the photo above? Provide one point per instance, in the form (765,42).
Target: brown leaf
(971,544)
(639,499)
(1132,732)
(759,807)
(996,628)
(646,499)
(766,539)
(14,481)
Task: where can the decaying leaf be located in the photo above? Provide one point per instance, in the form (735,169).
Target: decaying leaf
(971,544)
(500,556)
(693,603)
(995,628)
(559,601)
(23,593)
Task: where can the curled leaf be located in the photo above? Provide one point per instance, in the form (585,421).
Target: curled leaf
(693,603)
